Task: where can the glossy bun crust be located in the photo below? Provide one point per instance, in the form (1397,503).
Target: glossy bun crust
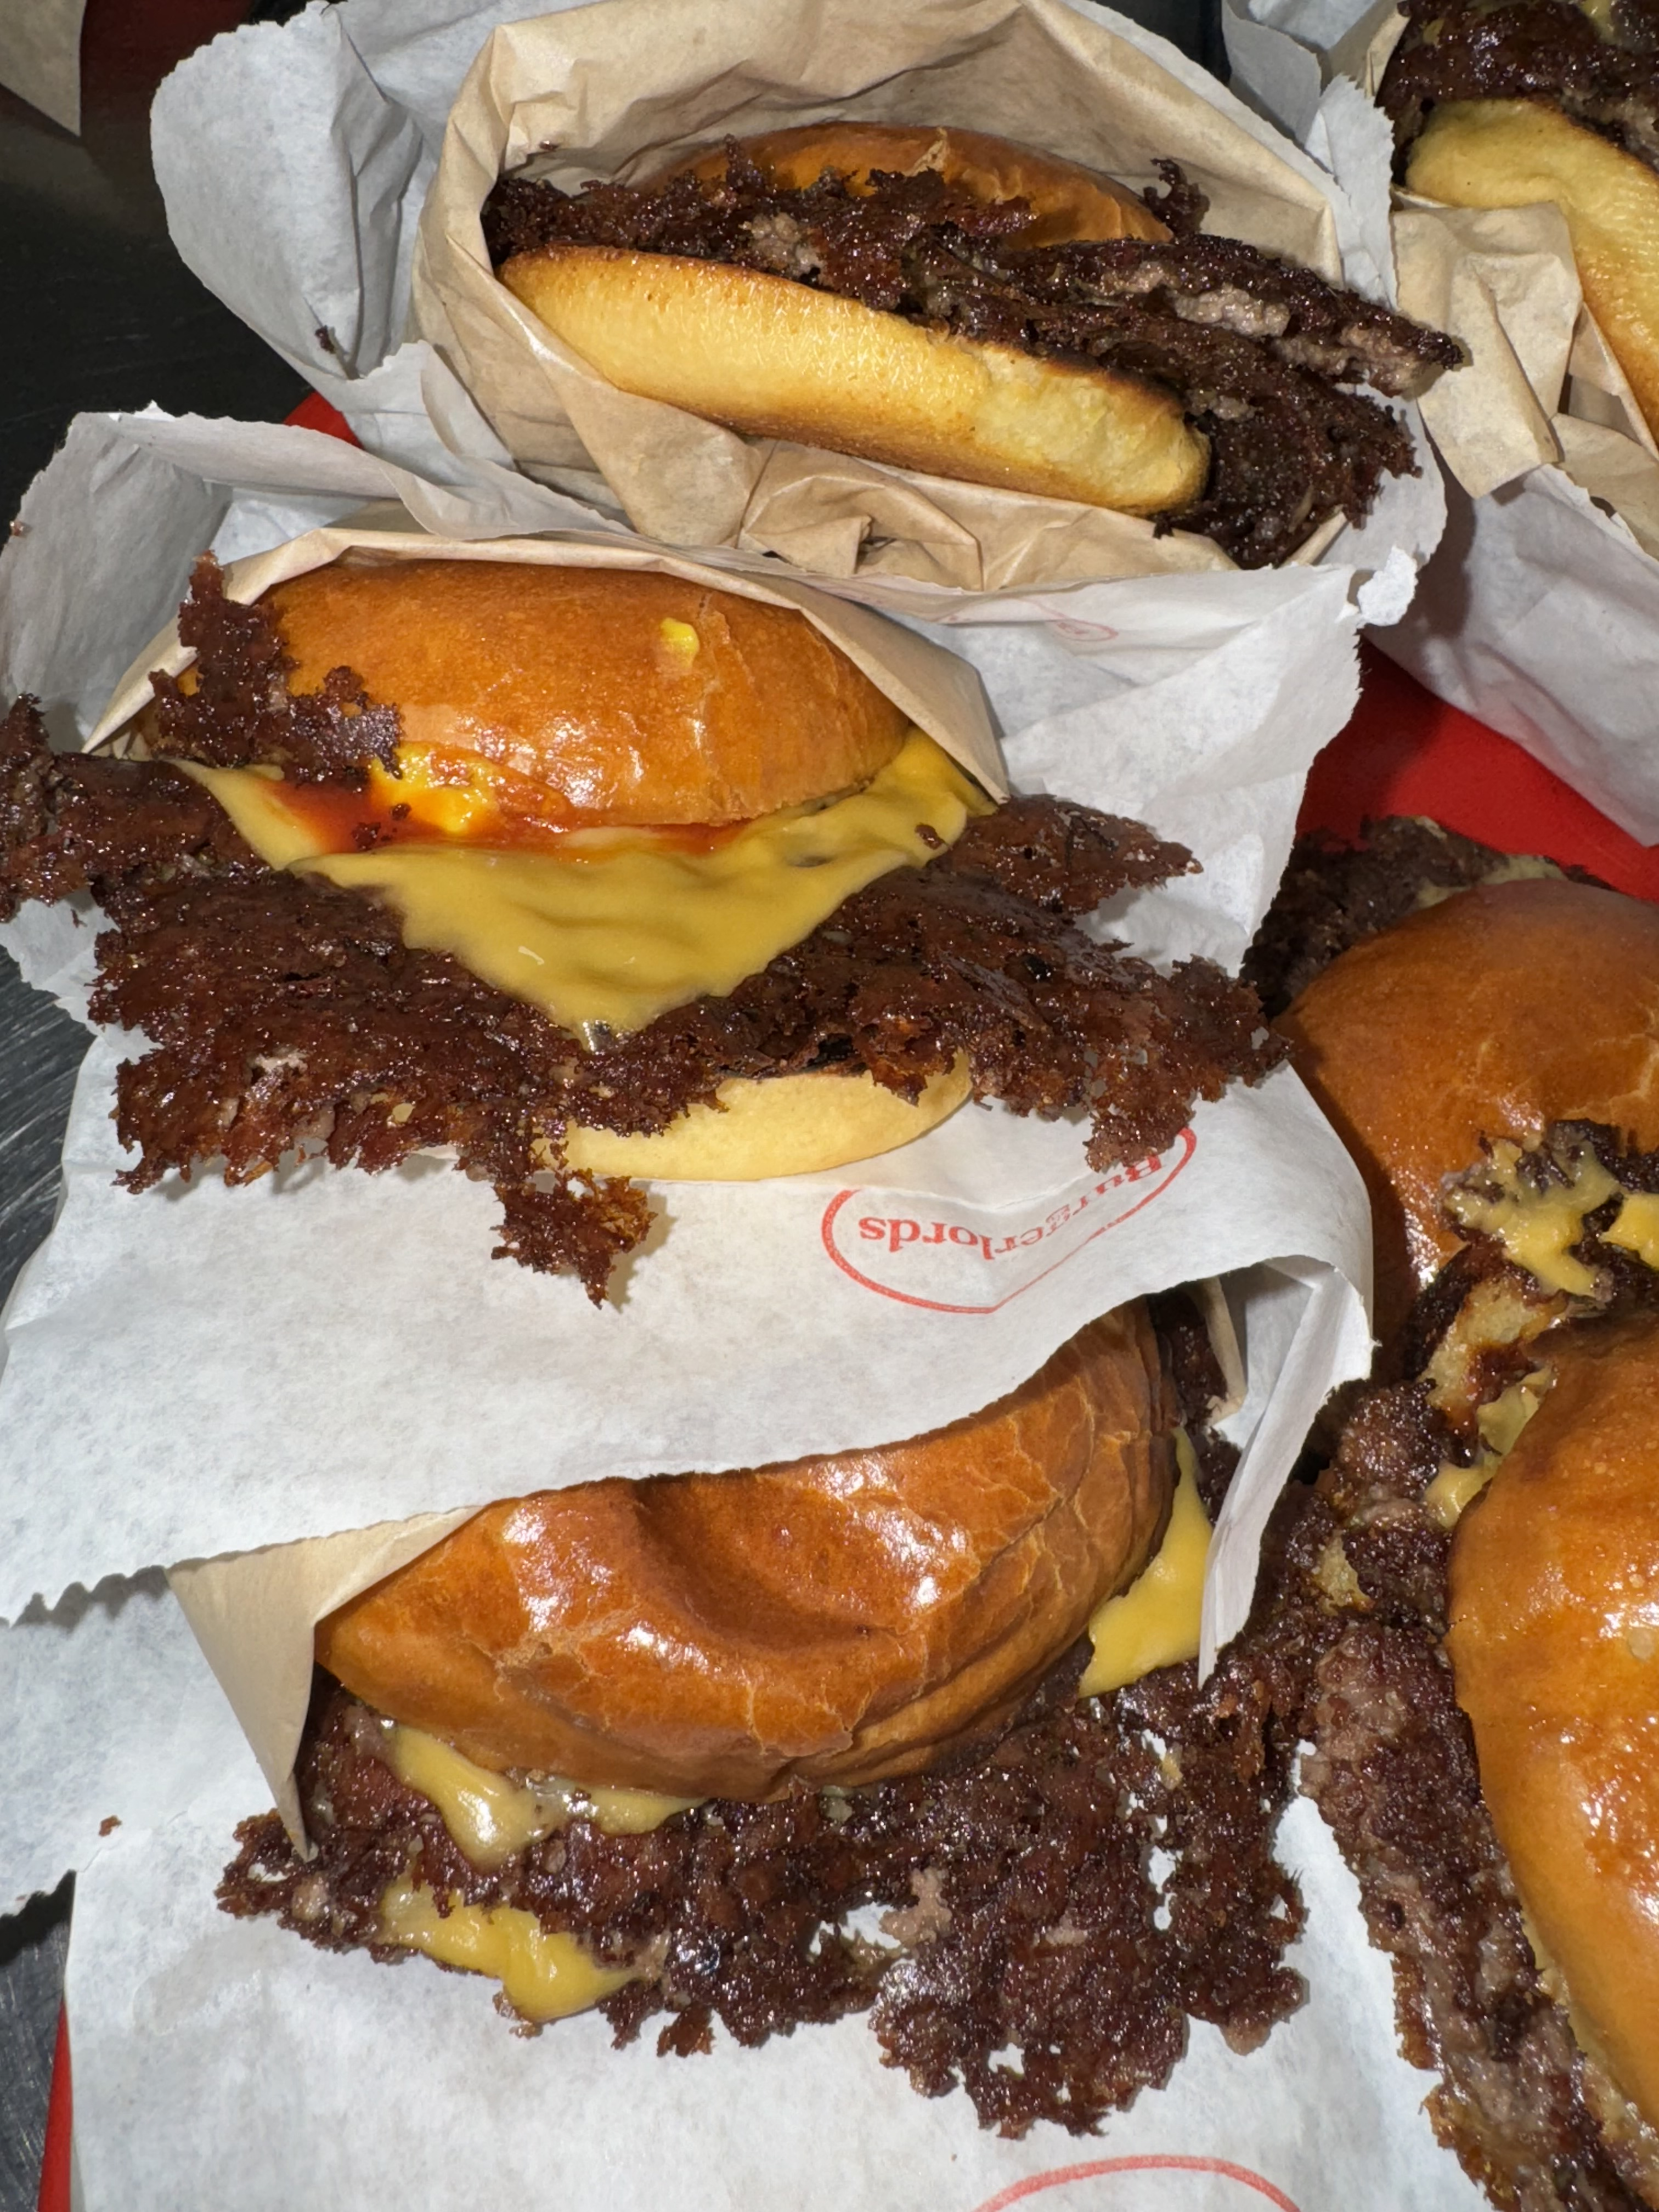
(1554,1644)
(835,1620)
(639,697)
(773,358)
(1489,1015)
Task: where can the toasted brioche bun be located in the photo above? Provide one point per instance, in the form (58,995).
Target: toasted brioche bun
(636,698)
(784,1125)
(631,698)
(1517,153)
(777,359)
(1497,1011)
(1554,1644)
(835,1620)
(1070,201)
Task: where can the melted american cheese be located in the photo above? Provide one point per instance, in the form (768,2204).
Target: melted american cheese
(618,925)
(543,1976)
(1155,1621)
(491,1818)
(1499,1423)
(1537,1227)
(1636,1227)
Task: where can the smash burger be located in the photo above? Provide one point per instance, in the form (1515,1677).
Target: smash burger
(894,1732)
(944,300)
(1538,101)
(1474,1579)
(584,874)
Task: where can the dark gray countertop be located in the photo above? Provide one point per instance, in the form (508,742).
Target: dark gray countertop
(115,320)
(105,315)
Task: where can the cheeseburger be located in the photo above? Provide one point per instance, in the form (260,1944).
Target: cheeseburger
(939,299)
(584,875)
(898,1732)
(1472,1585)
(1538,101)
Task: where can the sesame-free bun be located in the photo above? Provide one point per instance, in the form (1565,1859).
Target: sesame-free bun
(633,697)
(777,359)
(1498,1011)
(835,1620)
(774,1124)
(1554,1645)
(1520,153)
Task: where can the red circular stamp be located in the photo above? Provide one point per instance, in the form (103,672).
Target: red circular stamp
(1233,2186)
(949,1260)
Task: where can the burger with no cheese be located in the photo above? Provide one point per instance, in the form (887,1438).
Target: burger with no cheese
(948,301)
(1533,101)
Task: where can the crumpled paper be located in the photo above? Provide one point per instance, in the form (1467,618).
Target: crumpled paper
(315,243)
(1538,612)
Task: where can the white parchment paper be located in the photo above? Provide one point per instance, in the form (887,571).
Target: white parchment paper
(231,2062)
(1537,613)
(313,243)
(107,1711)
(323,1351)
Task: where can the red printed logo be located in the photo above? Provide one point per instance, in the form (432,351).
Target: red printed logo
(1209,2185)
(954,1262)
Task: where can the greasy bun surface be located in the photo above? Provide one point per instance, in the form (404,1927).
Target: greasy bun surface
(838,1618)
(774,358)
(1073,202)
(636,697)
(1496,1011)
(1554,1644)
(1522,153)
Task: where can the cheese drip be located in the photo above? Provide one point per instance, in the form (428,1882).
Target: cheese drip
(1154,1623)
(1498,1425)
(1538,1226)
(492,1817)
(618,925)
(543,1975)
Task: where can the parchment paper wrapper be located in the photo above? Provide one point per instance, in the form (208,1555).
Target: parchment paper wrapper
(228,2060)
(109,1712)
(315,247)
(1538,613)
(40,57)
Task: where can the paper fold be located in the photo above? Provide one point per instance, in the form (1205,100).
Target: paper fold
(1538,611)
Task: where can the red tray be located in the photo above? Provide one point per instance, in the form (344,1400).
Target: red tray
(1404,752)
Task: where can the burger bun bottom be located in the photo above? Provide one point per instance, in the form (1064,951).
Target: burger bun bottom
(778,1125)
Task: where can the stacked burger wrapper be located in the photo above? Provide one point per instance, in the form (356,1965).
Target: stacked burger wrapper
(278,1394)
(1539,611)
